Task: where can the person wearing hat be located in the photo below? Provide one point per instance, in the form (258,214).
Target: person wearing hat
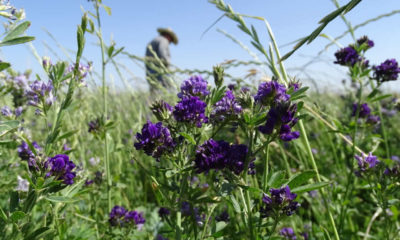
(156,65)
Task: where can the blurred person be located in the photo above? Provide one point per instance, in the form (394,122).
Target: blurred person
(159,46)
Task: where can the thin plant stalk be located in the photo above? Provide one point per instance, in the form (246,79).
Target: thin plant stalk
(104,91)
(349,184)
(307,144)
(314,165)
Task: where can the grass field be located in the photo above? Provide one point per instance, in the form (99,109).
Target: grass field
(264,158)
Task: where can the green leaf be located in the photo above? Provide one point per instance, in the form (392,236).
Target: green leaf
(188,137)
(17,215)
(3,215)
(72,190)
(235,204)
(218,95)
(7,126)
(373,93)
(332,15)
(259,118)
(310,187)
(30,201)
(227,188)
(40,233)
(300,178)
(118,51)
(218,229)
(60,199)
(18,40)
(67,134)
(108,9)
(4,65)
(17,31)
(14,200)
(381,97)
(277,179)
(297,93)
(110,51)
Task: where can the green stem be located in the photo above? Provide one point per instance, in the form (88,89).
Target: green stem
(385,138)
(288,170)
(178,225)
(266,169)
(273,228)
(350,182)
(104,90)
(384,133)
(250,215)
(206,222)
(314,165)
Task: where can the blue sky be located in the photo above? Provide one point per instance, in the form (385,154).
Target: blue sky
(133,24)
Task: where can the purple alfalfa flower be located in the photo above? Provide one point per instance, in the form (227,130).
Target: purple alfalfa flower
(89,182)
(225,109)
(6,111)
(18,111)
(21,82)
(186,209)
(288,233)
(163,212)
(46,63)
(365,40)
(366,162)
(83,70)
(231,86)
(223,217)
(314,151)
(94,125)
(245,89)
(282,118)
(364,110)
(347,56)
(98,177)
(271,92)
(117,215)
(252,167)
(280,201)
(135,218)
(295,85)
(154,140)
(61,168)
(194,86)
(160,237)
(395,170)
(386,71)
(373,119)
(219,155)
(211,155)
(389,112)
(40,92)
(236,158)
(191,110)
(26,154)
(313,193)
(305,235)
(66,147)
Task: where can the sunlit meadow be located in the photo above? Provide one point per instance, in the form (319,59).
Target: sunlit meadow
(214,156)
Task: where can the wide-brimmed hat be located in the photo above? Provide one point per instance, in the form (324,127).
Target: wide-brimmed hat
(169,32)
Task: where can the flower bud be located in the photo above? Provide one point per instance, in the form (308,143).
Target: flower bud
(218,73)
